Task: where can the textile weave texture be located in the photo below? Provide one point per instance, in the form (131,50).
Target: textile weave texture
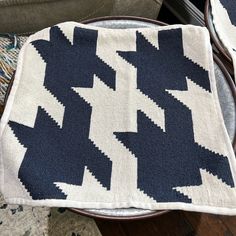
(21,220)
(26,220)
(9,50)
(224,19)
(104,118)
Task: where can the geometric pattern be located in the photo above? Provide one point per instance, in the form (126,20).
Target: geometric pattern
(178,137)
(112,120)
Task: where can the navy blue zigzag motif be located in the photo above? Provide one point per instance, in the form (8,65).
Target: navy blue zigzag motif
(172,158)
(57,154)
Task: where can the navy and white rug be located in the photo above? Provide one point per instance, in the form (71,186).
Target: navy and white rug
(104,118)
(224,19)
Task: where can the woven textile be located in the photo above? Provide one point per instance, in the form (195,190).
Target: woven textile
(9,50)
(102,118)
(224,18)
(21,220)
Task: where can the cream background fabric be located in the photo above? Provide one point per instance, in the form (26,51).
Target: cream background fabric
(209,128)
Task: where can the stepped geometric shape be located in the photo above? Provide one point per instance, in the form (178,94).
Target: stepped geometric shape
(212,189)
(57,154)
(72,65)
(172,158)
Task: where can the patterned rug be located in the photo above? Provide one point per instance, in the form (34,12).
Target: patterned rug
(21,220)
(9,50)
(111,126)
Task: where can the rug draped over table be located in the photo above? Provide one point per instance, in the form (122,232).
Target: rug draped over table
(104,118)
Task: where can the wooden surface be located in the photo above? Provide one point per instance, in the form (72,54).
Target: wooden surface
(174,223)
(1,110)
